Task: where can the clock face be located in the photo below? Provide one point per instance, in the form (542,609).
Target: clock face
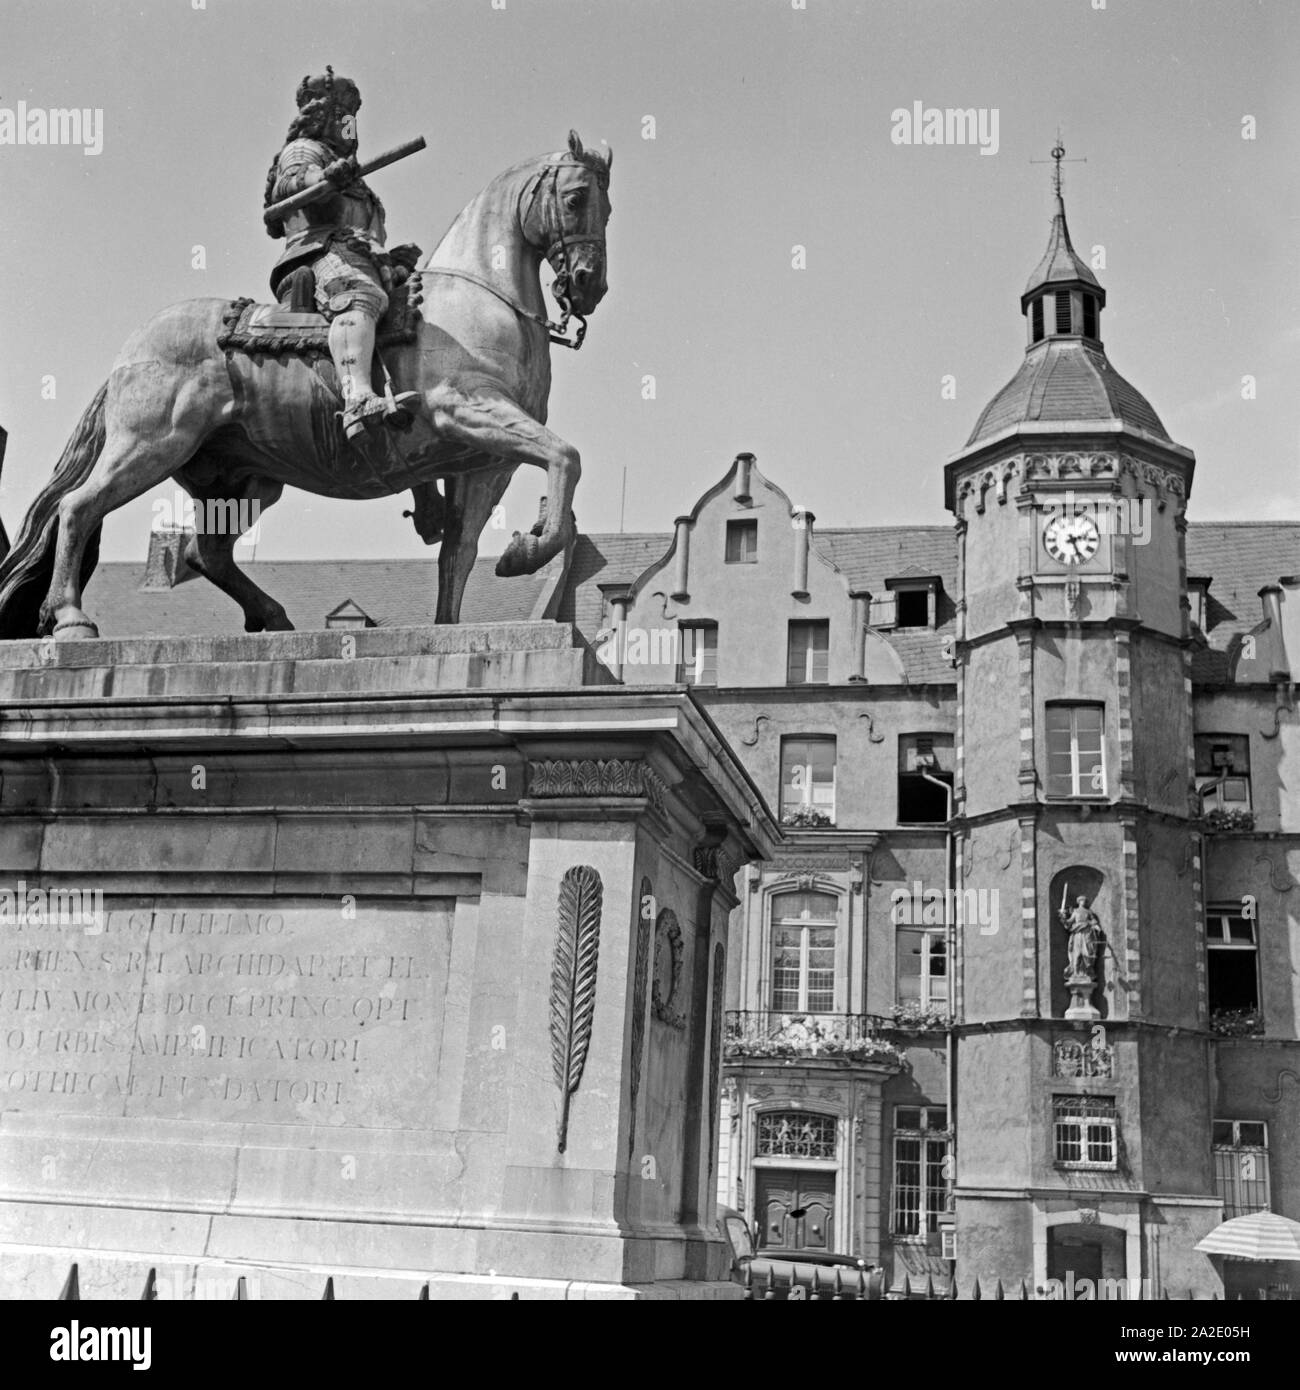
(1071,540)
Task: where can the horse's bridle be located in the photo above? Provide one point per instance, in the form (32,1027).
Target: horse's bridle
(560,244)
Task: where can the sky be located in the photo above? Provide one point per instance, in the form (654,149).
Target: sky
(771,124)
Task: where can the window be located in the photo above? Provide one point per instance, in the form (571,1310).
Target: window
(1037,319)
(803,953)
(699,654)
(920,1158)
(1075,762)
(742,542)
(808,654)
(1223,771)
(1085,1132)
(923,967)
(1241,1166)
(1089,316)
(912,608)
(795,1134)
(920,757)
(807,781)
(1231,967)
(1063,312)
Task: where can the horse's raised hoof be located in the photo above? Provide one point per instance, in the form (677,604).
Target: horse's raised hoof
(519,557)
(72,625)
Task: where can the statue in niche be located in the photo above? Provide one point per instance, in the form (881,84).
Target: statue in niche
(1085,935)
(1085,938)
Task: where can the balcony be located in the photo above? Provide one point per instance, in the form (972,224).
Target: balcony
(790,1037)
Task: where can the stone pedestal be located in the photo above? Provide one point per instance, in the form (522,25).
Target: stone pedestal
(401,961)
(1081,1008)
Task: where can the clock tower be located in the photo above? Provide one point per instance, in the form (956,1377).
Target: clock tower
(1082,1042)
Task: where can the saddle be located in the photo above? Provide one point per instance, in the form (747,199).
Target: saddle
(293,326)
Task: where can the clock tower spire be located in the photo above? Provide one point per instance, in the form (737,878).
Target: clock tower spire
(1082,1014)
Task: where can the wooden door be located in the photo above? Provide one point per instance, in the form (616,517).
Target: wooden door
(795,1209)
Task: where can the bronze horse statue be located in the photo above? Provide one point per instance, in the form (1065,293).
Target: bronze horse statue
(227,424)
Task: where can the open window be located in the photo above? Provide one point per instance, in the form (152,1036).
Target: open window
(925,766)
(1232,972)
(1223,772)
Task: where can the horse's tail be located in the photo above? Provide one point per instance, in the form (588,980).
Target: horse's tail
(25,573)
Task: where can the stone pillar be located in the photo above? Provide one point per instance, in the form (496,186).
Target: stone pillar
(681,559)
(861,599)
(803,524)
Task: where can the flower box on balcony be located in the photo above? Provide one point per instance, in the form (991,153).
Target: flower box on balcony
(1236,1023)
(1219,821)
(919,1018)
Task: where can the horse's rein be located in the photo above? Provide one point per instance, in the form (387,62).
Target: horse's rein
(556,331)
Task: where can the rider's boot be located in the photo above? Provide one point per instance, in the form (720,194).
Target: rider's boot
(352,345)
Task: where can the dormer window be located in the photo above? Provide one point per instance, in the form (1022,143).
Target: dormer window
(1063,312)
(1036,313)
(916,599)
(349,614)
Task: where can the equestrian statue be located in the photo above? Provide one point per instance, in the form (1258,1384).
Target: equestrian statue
(369,376)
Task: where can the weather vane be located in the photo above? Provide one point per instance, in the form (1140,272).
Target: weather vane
(1058,157)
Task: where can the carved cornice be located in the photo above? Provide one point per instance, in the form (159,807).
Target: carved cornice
(1065,467)
(596,777)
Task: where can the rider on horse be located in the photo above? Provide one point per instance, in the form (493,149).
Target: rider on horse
(341,238)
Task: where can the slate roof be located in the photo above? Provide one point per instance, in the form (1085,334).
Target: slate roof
(394,593)
(1241,557)
(1061,263)
(1066,380)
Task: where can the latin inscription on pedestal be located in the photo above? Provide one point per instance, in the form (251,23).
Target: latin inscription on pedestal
(248,1010)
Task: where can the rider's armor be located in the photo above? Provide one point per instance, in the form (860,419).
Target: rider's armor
(341,237)
(354,217)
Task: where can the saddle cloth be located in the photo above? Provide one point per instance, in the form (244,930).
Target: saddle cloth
(252,327)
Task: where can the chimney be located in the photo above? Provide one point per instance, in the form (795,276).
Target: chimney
(803,524)
(1279,666)
(166,566)
(741,491)
(681,570)
(861,612)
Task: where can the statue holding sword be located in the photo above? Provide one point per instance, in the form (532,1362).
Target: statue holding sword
(318,201)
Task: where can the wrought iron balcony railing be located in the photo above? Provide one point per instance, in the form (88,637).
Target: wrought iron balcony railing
(771,1033)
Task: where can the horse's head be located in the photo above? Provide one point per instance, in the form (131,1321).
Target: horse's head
(565,219)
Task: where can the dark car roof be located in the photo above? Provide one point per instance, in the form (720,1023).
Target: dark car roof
(808,1257)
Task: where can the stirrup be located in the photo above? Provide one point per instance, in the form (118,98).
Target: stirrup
(397,415)
(362,415)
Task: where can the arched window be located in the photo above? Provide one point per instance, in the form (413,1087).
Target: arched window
(803,952)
